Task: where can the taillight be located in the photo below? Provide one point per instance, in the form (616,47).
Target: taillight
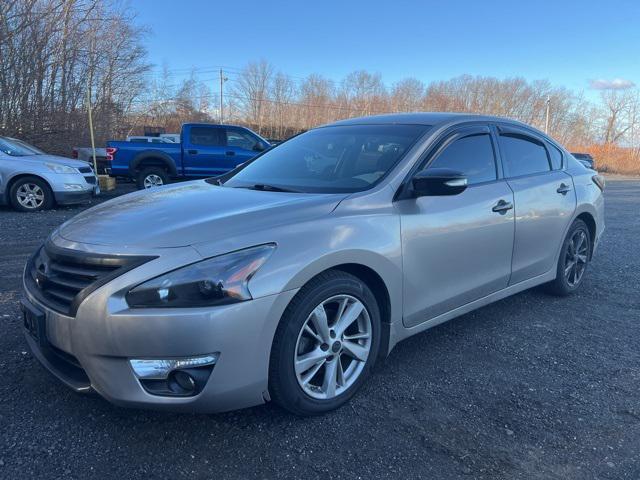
(74,153)
(599,181)
(111,151)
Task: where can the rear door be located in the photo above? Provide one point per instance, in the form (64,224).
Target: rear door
(204,151)
(457,249)
(543,196)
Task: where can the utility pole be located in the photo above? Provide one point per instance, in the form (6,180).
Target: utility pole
(222,80)
(93,143)
(546,122)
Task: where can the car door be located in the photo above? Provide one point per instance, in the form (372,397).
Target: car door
(204,151)
(242,145)
(543,196)
(457,249)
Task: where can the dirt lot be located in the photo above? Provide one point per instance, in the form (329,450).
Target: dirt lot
(530,387)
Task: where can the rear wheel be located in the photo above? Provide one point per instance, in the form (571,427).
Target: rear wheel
(326,344)
(150,177)
(30,194)
(573,261)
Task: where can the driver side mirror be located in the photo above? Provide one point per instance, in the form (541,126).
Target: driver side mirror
(437,182)
(259,147)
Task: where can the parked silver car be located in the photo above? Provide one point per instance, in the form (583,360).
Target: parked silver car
(31,180)
(287,278)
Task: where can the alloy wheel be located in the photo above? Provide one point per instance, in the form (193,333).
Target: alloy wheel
(153,180)
(332,347)
(576,258)
(30,195)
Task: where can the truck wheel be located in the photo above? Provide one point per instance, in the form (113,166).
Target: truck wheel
(150,177)
(30,194)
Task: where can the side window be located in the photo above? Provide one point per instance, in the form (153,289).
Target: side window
(240,139)
(523,155)
(556,157)
(472,156)
(206,136)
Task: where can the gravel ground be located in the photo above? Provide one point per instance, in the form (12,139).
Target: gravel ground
(529,387)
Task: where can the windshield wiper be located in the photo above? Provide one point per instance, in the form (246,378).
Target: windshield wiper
(268,188)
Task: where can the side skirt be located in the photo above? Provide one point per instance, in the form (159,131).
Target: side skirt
(399,332)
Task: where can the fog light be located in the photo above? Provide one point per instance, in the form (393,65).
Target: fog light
(72,186)
(146,369)
(184,380)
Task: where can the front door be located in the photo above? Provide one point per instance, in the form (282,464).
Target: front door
(457,249)
(242,145)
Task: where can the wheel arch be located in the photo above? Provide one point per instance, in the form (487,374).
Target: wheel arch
(590,221)
(11,182)
(153,158)
(375,273)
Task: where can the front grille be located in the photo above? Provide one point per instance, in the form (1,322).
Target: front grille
(85,170)
(91,180)
(62,278)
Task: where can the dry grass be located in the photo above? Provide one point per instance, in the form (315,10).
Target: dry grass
(613,159)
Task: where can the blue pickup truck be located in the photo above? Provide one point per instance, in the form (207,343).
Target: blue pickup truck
(205,151)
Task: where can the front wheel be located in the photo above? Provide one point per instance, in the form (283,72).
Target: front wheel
(150,177)
(31,194)
(573,261)
(326,344)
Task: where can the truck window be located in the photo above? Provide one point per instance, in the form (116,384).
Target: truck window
(206,136)
(240,139)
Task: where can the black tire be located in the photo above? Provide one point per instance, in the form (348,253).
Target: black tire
(23,183)
(562,285)
(147,172)
(284,387)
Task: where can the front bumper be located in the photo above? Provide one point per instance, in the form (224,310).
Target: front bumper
(66,197)
(91,351)
(69,198)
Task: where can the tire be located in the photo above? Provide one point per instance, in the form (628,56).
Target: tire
(571,266)
(333,291)
(149,177)
(31,194)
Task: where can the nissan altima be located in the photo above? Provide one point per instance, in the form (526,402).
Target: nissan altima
(289,277)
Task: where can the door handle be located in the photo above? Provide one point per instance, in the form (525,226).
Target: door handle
(192,152)
(231,153)
(502,207)
(563,189)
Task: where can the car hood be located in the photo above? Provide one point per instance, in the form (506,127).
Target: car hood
(191,213)
(40,159)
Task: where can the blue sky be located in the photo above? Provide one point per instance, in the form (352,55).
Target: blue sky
(566,42)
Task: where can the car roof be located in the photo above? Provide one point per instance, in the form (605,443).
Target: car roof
(422,118)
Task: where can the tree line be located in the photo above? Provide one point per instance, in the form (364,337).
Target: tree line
(53,51)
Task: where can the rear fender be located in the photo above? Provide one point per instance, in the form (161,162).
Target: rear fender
(153,157)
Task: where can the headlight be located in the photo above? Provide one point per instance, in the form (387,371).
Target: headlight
(55,167)
(214,281)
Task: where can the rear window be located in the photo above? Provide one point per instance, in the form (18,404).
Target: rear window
(523,155)
(207,136)
(556,157)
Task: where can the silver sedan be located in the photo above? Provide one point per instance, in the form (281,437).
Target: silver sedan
(289,277)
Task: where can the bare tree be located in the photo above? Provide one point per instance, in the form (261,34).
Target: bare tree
(251,91)
(52,51)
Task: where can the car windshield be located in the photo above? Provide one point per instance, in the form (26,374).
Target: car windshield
(340,159)
(18,148)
